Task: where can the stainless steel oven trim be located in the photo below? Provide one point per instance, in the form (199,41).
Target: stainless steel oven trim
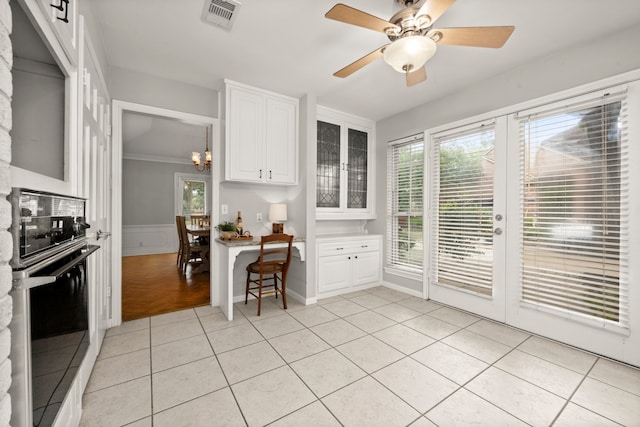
(48,259)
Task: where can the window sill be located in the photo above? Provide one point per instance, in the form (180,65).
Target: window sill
(406,273)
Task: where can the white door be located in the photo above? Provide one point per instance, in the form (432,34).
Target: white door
(558,261)
(467,216)
(96,146)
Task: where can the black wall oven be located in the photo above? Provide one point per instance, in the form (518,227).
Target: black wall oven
(50,325)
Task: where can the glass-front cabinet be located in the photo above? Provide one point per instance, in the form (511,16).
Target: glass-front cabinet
(345,149)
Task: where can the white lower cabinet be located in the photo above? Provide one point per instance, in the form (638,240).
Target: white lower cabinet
(346,262)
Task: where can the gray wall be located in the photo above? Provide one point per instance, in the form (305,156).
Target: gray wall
(132,86)
(580,64)
(148,192)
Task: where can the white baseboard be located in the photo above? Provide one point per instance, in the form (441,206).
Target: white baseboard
(290,293)
(403,289)
(149,239)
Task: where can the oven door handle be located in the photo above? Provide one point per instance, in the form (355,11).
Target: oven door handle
(77,260)
(32,282)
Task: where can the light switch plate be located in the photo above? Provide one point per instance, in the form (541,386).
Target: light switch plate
(224,209)
(259,217)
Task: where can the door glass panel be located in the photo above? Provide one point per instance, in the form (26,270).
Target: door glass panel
(328,166)
(357,161)
(465,207)
(571,202)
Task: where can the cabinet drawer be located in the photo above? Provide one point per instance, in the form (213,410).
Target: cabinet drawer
(348,247)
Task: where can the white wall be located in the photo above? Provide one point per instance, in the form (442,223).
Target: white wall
(580,64)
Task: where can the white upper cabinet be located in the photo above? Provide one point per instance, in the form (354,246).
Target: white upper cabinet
(261,137)
(345,166)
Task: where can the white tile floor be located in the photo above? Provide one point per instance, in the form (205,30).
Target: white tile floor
(373,358)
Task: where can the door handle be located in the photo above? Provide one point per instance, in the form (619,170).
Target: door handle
(102,235)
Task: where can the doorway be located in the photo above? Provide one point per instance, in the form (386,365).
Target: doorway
(144,204)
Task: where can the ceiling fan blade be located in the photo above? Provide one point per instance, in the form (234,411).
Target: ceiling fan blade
(416,76)
(434,8)
(343,13)
(356,65)
(473,36)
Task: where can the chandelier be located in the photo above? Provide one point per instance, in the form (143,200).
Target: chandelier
(195,156)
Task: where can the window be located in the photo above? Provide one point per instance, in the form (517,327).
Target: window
(191,195)
(573,201)
(404,204)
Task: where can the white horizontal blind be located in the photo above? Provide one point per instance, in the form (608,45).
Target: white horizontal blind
(462,180)
(574,213)
(405,166)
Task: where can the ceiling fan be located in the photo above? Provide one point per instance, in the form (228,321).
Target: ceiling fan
(413,38)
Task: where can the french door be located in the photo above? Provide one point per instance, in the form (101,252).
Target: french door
(466,171)
(530,219)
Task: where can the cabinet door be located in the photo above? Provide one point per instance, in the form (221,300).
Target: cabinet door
(245,136)
(365,267)
(328,168)
(357,168)
(333,272)
(281,142)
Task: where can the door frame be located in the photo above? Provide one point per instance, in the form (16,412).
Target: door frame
(119,107)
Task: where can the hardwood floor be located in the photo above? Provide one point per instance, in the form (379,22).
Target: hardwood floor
(154,284)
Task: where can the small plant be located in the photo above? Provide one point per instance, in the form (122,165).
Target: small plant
(226,226)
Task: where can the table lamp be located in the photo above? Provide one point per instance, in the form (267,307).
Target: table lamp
(277,214)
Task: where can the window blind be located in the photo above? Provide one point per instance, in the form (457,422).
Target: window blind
(574,208)
(462,183)
(405,166)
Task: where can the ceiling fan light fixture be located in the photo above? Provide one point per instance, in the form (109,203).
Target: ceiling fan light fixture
(409,53)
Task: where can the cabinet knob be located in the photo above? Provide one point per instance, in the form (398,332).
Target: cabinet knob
(348,257)
(356,257)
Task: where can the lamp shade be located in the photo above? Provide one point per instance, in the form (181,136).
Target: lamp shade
(409,53)
(277,212)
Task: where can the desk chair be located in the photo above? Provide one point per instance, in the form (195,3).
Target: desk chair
(271,266)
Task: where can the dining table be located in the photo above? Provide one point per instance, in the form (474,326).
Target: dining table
(203,233)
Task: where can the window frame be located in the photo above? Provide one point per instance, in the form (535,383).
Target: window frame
(179,180)
(391,264)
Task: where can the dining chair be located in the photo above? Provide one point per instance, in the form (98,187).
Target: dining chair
(271,267)
(191,251)
(180,241)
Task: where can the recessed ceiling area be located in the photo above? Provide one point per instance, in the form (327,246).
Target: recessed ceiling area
(291,48)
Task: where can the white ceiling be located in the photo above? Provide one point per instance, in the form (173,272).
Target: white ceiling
(288,46)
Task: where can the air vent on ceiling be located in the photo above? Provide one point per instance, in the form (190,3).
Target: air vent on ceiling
(222,13)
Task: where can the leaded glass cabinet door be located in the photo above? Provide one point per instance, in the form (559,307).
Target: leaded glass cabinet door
(357,164)
(328,166)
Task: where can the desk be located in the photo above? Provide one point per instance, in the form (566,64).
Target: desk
(229,251)
(202,232)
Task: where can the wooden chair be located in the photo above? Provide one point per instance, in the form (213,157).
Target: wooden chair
(272,265)
(180,241)
(191,251)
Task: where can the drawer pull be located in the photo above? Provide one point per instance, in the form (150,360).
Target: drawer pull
(339,249)
(364,246)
